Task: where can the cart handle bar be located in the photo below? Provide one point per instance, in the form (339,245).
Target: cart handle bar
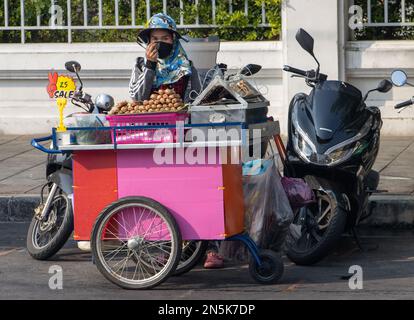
(35,144)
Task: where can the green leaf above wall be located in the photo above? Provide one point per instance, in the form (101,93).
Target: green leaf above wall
(233,26)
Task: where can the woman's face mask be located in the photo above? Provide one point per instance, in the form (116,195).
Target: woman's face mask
(164,49)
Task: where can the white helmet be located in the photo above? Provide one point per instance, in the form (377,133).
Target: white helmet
(104,101)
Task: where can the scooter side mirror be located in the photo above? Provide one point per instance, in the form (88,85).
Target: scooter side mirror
(305,40)
(384,86)
(307,43)
(250,69)
(73,66)
(399,78)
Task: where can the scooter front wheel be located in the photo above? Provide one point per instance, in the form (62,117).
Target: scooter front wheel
(316,230)
(46,237)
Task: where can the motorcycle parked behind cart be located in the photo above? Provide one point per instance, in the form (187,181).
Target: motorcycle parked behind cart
(52,223)
(333,141)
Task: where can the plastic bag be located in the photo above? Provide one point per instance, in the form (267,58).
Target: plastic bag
(298,192)
(267,211)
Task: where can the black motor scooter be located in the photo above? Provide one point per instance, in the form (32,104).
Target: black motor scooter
(52,222)
(333,141)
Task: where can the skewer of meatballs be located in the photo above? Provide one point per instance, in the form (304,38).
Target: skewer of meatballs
(160,101)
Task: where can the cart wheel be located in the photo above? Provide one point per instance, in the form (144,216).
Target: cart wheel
(136,243)
(191,253)
(271,269)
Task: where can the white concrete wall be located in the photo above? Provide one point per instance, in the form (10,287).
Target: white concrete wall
(362,63)
(301,14)
(320,18)
(368,62)
(106,67)
(25,107)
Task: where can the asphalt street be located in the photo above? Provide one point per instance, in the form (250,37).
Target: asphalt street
(387,264)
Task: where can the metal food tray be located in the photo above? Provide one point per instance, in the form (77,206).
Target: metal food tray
(59,148)
(203,144)
(269,129)
(183,110)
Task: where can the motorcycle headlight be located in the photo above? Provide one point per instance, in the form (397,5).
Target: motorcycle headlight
(304,147)
(346,149)
(301,142)
(335,155)
(340,154)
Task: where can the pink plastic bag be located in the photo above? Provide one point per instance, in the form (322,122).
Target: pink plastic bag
(298,192)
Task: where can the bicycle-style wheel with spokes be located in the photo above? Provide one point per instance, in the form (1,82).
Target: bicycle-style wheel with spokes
(191,254)
(136,243)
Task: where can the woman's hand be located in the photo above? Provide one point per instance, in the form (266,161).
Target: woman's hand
(152,52)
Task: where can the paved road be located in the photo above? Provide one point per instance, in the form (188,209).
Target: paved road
(22,168)
(388,273)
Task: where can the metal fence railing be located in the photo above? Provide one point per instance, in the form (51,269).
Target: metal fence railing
(401,21)
(70,27)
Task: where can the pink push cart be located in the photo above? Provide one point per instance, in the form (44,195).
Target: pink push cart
(139,212)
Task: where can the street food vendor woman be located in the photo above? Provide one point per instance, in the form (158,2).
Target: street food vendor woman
(166,65)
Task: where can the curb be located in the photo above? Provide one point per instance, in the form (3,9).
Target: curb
(18,208)
(396,211)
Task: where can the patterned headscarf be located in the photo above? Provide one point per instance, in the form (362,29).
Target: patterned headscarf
(174,67)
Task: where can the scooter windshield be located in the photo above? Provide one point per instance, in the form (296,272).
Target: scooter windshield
(334,104)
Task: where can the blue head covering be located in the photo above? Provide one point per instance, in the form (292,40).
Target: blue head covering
(176,65)
(158,21)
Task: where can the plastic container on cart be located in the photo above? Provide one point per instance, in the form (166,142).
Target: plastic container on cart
(88,137)
(159,135)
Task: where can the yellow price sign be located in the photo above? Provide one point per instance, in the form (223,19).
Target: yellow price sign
(61,103)
(61,88)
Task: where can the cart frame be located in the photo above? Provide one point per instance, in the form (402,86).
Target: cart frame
(271,131)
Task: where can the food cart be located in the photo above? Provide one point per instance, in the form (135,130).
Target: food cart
(136,211)
(142,185)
